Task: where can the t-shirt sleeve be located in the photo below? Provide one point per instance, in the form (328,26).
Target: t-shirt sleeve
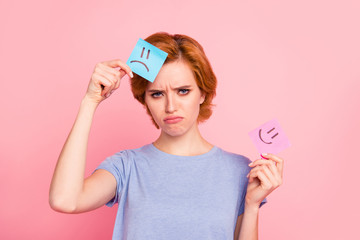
(116,165)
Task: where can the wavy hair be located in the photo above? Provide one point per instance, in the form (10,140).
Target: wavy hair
(184,48)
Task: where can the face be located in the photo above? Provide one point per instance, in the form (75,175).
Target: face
(174,99)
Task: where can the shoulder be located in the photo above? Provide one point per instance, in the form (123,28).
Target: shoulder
(125,157)
(234,158)
(129,153)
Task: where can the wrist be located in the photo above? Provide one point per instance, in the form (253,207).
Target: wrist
(87,101)
(252,208)
(251,205)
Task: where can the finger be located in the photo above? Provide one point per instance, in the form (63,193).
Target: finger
(114,87)
(110,70)
(253,173)
(278,160)
(272,166)
(261,177)
(122,73)
(252,176)
(107,86)
(122,65)
(113,77)
(108,73)
(265,182)
(275,173)
(110,79)
(259,162)
(117,74)
(272,177)
(101,80)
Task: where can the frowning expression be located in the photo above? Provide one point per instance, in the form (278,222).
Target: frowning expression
(141,57)
(174,99)
(146,60)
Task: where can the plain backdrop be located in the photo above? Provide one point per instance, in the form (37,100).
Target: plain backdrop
(296,61)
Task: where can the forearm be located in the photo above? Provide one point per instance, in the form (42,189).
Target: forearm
(69,173)
(249,225)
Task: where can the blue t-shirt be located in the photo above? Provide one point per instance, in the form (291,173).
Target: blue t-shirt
(165,196)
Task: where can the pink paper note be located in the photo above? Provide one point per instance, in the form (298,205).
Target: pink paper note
(269,138)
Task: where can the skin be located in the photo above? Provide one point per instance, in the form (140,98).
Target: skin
(173,93)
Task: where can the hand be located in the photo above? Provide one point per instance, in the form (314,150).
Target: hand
(264,177)
(106,79)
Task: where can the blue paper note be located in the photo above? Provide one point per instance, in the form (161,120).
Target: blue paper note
(146,60)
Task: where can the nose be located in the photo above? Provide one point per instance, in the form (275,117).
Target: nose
(170,104)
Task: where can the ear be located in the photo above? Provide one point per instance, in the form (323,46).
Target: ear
(202,98)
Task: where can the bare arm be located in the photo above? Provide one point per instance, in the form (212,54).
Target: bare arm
(264,177)
(247,224)
(69,191)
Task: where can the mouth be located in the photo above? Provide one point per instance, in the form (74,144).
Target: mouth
(173,119)
(141,63)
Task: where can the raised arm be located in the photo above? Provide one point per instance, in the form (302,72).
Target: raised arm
(69,191)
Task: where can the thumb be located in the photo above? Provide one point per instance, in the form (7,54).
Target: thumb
(122,73)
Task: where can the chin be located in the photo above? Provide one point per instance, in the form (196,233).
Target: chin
(173,132)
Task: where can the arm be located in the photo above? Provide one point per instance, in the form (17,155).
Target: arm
(264,177)
(247,224)
(69,192)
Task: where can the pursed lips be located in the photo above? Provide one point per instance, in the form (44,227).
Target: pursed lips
(173,119)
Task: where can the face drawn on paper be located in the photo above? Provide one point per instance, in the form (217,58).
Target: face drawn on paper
(266,136)
(141,56)
(269,137)
(146,60)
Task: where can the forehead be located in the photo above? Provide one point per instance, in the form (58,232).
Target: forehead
(173,75)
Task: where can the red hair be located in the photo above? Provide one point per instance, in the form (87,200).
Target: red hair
(187,49)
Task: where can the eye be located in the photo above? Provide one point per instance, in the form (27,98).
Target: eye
(184,91)
(156,94)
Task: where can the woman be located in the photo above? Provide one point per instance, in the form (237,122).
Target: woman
(180,186)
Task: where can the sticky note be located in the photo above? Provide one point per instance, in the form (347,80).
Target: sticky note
(146,60)
(270,138)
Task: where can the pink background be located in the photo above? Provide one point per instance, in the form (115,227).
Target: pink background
(297,61)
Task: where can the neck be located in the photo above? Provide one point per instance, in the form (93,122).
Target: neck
(189,144)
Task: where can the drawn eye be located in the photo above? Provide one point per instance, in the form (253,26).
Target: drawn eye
(184,91)
(156,94)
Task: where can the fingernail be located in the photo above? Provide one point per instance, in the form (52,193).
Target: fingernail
(250,164)
(107,95)
(247,175)
(112,91)
(131,75)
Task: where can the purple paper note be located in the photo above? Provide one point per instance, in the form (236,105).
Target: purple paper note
(269,138)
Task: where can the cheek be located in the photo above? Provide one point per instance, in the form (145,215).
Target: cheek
(193,105)
(153,109)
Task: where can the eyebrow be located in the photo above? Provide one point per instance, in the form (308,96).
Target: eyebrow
(177,88)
